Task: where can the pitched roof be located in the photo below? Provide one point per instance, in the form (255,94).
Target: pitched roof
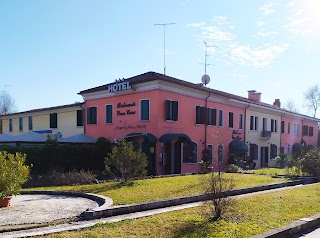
(151,76)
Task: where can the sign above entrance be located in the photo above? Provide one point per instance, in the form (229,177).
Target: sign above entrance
(119,85)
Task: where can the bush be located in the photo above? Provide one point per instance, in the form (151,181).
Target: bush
(13,173)
(310,162)
(126,162)
(232,168)
(61,179)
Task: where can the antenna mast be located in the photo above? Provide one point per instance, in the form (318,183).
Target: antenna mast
(205,57)
(164,43)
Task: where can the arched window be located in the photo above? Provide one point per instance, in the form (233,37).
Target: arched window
(190,153)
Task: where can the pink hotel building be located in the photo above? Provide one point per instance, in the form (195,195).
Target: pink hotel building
(172,121)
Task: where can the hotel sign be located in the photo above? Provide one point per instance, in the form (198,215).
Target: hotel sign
(119,85)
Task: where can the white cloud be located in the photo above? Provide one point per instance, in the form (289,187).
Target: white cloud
(214,33)
(260,24)
(266,34)
(267,9)
(297,25)
(256,57)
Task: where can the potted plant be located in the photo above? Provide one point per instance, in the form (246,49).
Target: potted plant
(13,173)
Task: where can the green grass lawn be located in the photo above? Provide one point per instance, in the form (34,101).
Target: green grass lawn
(251,216)
(270,171)
(160,188)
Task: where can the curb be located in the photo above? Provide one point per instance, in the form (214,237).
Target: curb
(103,202)
(292,228)
(125,209)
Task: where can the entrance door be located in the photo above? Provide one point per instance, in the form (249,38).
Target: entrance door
(167,149)
(264,156)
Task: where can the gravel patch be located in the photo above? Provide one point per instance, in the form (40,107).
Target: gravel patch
(30,209)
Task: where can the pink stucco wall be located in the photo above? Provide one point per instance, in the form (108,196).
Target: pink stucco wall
(158,126)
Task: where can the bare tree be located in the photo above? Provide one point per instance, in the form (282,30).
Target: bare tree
(217,188)
(291,106)
(7,103)
(312,97)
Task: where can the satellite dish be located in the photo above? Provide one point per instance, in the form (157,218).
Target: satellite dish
(205,79)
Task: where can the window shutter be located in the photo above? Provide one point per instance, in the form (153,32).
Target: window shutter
(251,122)
(167,110)
(198,113)
(175,110)
(203,115)
(89,115)
(214,117)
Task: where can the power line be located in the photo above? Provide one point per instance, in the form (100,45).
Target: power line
(164,43)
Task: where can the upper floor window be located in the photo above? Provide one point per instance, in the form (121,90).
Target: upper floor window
(80,117)
(296,129)
(210,152)
(30,124)
(220,118)
(92,115)
(145,110)
(254,122)
(289,125)
(310,131)
(264,124)
(109,118)
(212,116)
(274,125)
(10,125)
(20,123)
(282,126)
(240,121)
(53,120)
(171,110)
(230,119)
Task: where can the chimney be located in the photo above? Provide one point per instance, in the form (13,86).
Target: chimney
(254,96)
(277,103)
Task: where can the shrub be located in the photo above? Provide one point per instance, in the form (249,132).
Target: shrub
(232,168)
(310,162)
(126,162)
(13,173)
(216,187)
(61,179)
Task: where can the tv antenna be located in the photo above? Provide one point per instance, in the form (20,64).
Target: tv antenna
(164,43)
(205,78)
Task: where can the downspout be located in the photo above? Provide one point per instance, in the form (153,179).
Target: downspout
(206,122)
(245,120)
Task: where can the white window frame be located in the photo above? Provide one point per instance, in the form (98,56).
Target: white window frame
(140,112)
(105,114)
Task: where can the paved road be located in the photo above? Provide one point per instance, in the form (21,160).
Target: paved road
(312,233)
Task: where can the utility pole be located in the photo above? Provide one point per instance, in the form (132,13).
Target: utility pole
(164,43)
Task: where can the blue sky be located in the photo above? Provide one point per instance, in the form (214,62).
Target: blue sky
(51,50)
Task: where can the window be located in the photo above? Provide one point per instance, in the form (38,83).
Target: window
(10,125)
(109,119)
(171,110)
(92,115)
(264,124)
(230,119)
(80,117)
(305,130)
(145,110)
(212,116)
(30,124)
(254,123)
(220,118)
(190,153)
(220,153)
(20,123)
(241,121)
(273,151)
(289,150)
(282,127)
(274,125)
(296,129)
(310,131)
(53,120)
(201,116)
(289,127)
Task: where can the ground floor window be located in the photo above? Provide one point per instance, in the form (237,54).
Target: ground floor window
(190,152)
